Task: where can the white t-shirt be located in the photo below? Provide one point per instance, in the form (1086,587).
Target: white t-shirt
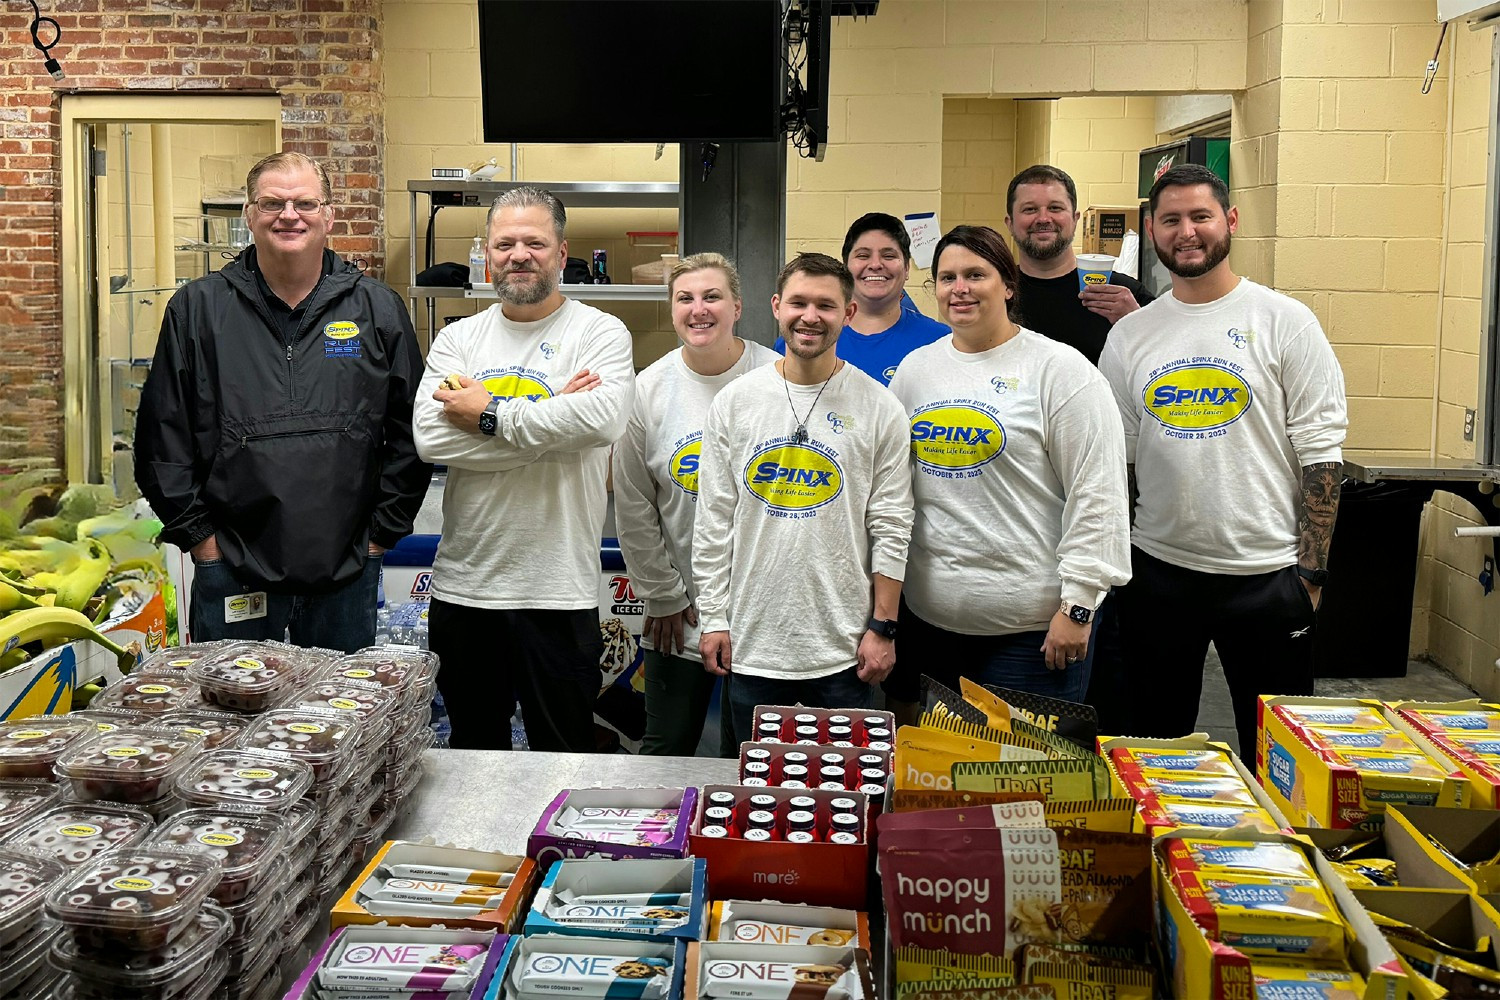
(1019,478)
(523,510)
(788,533)
(656,480)
(1224,403)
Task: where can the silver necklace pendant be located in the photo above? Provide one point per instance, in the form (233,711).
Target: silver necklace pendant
(800,435)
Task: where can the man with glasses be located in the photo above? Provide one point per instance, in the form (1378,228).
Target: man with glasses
(274,437)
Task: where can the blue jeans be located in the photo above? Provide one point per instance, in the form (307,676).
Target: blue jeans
(841,690)
(1014,661)
(342,619)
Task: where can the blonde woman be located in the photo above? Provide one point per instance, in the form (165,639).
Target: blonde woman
(656,490)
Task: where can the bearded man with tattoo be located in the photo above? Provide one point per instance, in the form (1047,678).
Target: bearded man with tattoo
(1234,413)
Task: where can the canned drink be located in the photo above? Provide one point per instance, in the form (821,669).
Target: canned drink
(871,760)
(774,717)
(719,815)
(873,776)
(714,831)
(762,801)
(878,734)
(839,720)
(841,837)
(758,753)
(796,772)
(754,782)
(877,746)
(875,721)
(832,786)
(847,822)
(725,799)
(843,805)
(761,819)
(599,273)
(807,733)
(840,734)
(845,744)
(805,719)
(768,732)
(834,772)
(875,792)
(804,803)
(800,819)
(792,783)
(758,835)
(757,769)
(801,837)
(832,758)
(807,743)
(794,757)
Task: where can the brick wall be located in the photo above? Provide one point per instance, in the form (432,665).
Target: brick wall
(320,55)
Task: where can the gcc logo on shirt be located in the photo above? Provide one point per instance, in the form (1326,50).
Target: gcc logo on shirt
(516,383)
(682,467)
(955,436)
(793,477)
(1196,397)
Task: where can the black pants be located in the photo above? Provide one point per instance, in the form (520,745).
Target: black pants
(677,694)
(1107,678)
(549,660)
(1262,626)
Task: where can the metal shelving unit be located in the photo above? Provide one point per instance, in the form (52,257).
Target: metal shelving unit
(574,194)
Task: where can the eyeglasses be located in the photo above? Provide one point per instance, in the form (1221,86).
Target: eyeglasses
(275,206)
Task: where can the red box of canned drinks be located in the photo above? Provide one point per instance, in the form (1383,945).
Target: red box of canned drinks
(830,768)
(793,845)
(839,727)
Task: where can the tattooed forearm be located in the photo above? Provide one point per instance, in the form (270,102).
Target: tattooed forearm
(1134,495)
(1321,484)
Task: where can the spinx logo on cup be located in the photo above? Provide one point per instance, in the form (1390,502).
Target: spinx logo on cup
(955,436)
(1196,397)
(516,383)
(683,465)
(794,476)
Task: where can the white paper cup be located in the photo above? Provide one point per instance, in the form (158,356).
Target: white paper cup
(1094,269)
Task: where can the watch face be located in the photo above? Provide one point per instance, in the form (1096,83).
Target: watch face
(487,423)
(1081,615)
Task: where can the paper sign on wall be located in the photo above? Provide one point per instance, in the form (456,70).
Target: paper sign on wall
(922,227)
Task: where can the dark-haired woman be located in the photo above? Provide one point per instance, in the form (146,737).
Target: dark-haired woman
(1019,476)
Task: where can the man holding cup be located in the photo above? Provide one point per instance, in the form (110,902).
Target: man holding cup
(1065,296)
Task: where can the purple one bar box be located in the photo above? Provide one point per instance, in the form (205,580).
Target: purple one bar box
(546,846)
(498,950)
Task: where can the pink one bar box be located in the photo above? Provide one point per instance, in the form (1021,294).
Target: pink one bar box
(546,845)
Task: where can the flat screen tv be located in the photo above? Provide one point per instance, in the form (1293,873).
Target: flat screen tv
(631,70)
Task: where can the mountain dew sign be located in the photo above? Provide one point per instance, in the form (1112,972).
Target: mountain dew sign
(1210,151)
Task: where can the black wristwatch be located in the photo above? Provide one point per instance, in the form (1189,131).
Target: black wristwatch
(490,419)
(882,627)
(1078,612)
(1316,577)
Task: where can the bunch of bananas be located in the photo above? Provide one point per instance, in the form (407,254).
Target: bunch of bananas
(65,564)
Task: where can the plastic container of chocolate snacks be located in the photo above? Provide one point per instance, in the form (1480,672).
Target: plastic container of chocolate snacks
(30,747)
(150,694)
(242,952)
(130,764)
(202,988)
(218,728)
(244,778)
(371,704)
(43,984)
(411,672)
(21,799)
(137,900)
(24,955)
(158,974)
(322,740)
(251,972)
(250,676)
(77,832)
(25,880)
(177,659)
(247,845)
(249,917)
(107,720)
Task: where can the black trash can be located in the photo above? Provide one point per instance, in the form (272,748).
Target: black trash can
(1364,621)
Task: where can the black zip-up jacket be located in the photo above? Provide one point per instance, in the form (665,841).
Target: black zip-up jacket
(297,454)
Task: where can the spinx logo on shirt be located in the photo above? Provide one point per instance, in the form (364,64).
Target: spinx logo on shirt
(682,467)
(794,477)
(516,383)
(956,435)
(341,339)
(1196,396)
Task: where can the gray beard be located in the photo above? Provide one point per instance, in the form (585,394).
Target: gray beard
(525,295)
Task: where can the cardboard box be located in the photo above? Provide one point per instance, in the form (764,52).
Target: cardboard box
(1470,835)
(1414,864)
(1208,970)
(822,716)
(1198,741)
(675,952)
(546,846)
(676,876)
(1104,228)
(734,951)
(348,911)
(1485,778)
(820,874)
(729,911)
(500,949)
(1460,919)
(1315,791)
(850,756)
(45,685)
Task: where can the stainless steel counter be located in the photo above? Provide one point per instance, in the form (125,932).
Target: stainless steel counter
(1375,468)
(490,800)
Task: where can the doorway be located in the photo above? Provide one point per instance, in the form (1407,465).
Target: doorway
(153,196)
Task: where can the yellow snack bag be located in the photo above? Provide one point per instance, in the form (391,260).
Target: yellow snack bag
(915,964)
(1075,979)
(1265,915)
(1107,815)
(924,758)
(992,705)
(1253,857)
(1366,873)
(1274,982)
